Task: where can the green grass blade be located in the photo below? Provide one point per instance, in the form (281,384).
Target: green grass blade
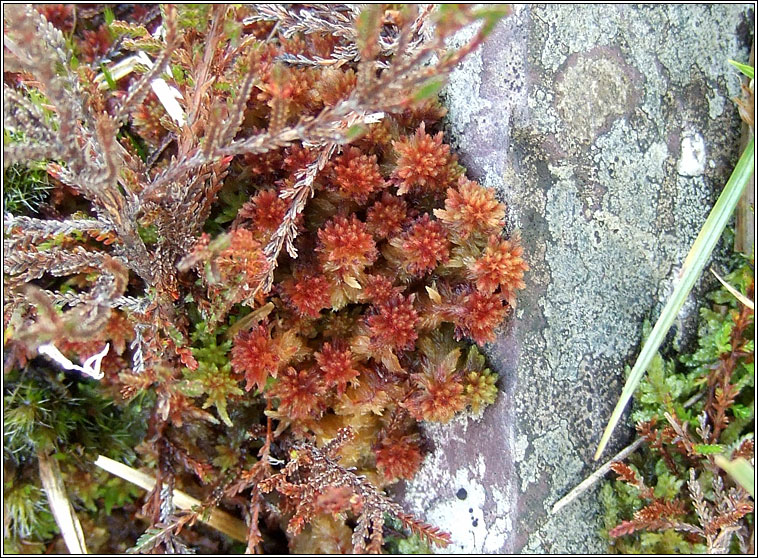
(691,270)
(741,471)
(744,68)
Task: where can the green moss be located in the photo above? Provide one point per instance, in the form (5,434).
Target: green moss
(47,411)
(25,188)
(399,543)
(28,516)
(677,384)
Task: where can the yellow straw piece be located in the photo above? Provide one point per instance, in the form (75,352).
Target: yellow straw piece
(60,505)
(734,292)
(218,519)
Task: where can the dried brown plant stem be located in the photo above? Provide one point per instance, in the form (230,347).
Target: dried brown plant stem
(744,233)
(203,83)
(140,89)
(387,93)
(285,234)
(338,20)
(313,469)
(262,470)
(721,392)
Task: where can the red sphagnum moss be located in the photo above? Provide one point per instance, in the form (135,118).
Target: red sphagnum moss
(301,257)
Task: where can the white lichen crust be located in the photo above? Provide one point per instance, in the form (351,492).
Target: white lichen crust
(609,131)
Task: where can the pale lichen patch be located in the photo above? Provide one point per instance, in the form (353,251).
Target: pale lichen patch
(464,518)
(605,219)
(593,89)
(692,159)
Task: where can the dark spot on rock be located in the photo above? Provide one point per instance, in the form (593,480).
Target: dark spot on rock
(462,494)
(744,29)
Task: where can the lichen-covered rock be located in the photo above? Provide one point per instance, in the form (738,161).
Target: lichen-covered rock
(608,131)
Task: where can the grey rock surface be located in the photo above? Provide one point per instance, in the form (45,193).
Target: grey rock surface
(609,131)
